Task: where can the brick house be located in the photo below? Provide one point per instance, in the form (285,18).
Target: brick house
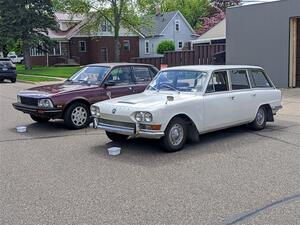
(78,46)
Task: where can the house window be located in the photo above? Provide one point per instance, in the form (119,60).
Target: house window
(147,47)
(180,45)
(82,46)
(177,25)
(126,45)
(56,50)
(36,52)
(106,26)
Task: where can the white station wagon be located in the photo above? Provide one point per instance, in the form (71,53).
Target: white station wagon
(183,102)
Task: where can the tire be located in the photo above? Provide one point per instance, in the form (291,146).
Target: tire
(260,121)
(116,137)
(13,80)
(77,116)
(175,135)
(39,119)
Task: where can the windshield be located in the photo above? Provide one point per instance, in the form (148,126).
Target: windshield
(90,75)
(179,80)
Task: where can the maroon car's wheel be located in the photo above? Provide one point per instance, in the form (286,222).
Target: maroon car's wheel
(77,116)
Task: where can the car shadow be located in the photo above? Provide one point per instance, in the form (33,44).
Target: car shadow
(53,128)
(147,152)
(6,82)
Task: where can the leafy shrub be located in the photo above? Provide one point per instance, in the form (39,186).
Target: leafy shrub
(164,46)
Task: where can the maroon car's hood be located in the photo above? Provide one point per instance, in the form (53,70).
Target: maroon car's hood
(55,89)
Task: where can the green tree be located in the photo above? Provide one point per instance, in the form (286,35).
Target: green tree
(116,12)
(27,21)
(165,46)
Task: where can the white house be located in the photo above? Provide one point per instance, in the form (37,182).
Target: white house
(164,26)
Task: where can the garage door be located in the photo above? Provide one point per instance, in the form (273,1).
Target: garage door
(298,55)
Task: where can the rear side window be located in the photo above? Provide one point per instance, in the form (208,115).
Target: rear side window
(258,79)
(218,82)
(239,79)
(141,74)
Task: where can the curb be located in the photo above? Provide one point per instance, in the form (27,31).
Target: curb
(26,82)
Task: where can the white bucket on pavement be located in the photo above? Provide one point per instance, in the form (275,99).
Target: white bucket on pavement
(21,129)
(114,151)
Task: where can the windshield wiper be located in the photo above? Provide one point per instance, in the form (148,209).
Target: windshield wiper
(171,87)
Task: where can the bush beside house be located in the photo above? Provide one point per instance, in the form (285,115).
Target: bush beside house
(165,46)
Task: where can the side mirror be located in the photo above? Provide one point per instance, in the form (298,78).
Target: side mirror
(110,83)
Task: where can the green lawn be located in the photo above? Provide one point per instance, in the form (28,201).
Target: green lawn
(34,78)
(64,72)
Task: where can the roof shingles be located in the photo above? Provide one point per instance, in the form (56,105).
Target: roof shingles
(153,25)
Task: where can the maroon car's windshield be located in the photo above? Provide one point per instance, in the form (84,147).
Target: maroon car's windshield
(90,75)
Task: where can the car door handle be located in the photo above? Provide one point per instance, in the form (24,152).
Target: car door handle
(254,95)
(232,97)
(130,88)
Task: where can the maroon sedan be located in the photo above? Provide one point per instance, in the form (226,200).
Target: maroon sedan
(71,100)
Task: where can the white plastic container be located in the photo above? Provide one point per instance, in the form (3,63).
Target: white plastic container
(21,129)
(114,151)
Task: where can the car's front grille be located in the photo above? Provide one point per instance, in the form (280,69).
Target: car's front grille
(116,123)
(29,101)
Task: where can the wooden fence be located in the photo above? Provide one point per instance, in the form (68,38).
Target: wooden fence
(200,55)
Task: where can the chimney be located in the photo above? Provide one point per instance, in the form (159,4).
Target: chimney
(157,9)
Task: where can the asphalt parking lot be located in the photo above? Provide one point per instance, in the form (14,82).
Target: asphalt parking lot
(51,175)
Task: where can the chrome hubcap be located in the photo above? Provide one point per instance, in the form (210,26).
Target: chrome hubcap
(79,116)
(176,134)
(260,117)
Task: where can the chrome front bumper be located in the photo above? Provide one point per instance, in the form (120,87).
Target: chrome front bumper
(275,109)
(131,132)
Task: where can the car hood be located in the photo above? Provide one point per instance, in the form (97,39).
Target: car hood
(54,89)
(147,99)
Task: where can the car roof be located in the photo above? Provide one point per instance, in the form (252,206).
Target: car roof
(209,68)
(119,64)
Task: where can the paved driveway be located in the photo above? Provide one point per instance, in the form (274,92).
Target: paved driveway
(51,175)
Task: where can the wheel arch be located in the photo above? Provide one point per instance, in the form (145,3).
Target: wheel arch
(193,133)
(81,100)
(267,106)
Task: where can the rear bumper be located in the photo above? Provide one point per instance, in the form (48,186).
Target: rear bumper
(131,132)
(36,111)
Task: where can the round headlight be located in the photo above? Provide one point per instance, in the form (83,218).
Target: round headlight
(148,117)
(95,110)
(139,117)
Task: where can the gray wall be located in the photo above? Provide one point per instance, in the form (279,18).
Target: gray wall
(259,35)
(184,35)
